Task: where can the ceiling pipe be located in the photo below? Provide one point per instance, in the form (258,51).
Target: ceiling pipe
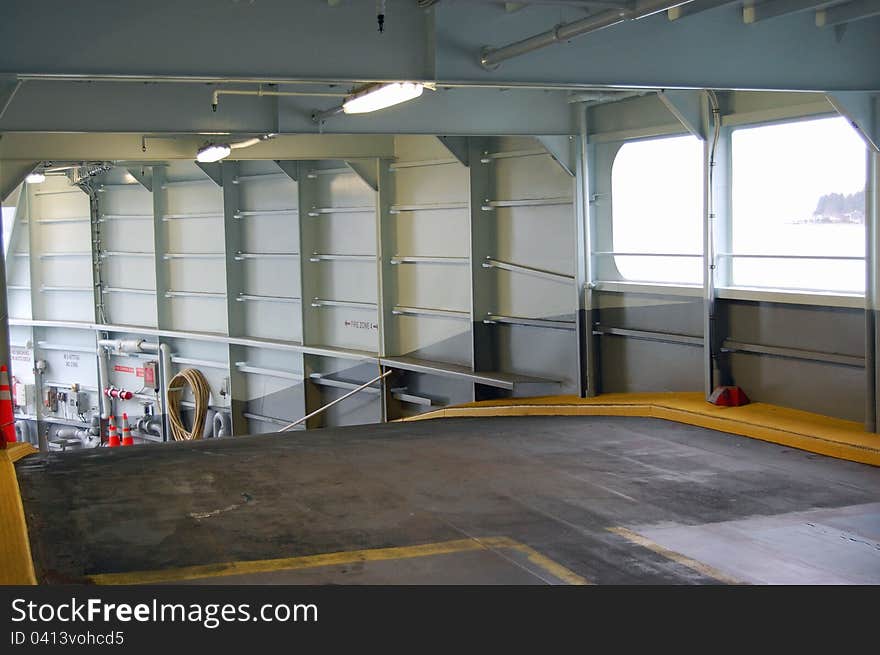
(177,79)
(597,97)
(492,57)
(260,92)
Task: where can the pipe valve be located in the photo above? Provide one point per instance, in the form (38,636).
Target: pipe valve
(121,394)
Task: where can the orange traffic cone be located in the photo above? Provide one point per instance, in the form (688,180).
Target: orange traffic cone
(127,439)
(7,416)
(112,435)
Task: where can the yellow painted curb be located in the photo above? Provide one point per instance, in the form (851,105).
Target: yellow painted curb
(16,565)
(788,427)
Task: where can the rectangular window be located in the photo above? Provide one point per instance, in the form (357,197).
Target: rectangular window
(657,208)
(798,199)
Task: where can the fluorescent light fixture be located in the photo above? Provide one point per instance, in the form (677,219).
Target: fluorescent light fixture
(35,178)
(213,152)
(381,96)
(217,151)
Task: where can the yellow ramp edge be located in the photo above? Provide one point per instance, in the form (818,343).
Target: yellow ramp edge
(16,565)
(794,428)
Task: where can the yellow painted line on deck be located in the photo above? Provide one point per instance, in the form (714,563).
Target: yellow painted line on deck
(335,559)
(684,560)
(542,561)
(16,563)
(815,433)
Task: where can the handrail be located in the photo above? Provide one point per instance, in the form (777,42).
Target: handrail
(491,262)
(333,402)
(612,253)
(731,255)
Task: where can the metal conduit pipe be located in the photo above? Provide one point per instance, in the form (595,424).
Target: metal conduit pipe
(103,381)
(23,431)
(149,425)
(87,436)
(604,96)
(492,57)
(134,346)
(260,92)
(222,424)
(164,367)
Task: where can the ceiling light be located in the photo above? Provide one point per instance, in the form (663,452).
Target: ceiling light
(213,152)
(35,178)
(381,96)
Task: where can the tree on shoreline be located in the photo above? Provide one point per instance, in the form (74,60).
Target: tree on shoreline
(840,208)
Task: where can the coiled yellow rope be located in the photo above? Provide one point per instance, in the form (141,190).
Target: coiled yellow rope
(201,394)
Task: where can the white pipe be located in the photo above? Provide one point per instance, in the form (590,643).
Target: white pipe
(604,96)
(103,380)
(123,345)
(221,425)
(164,367)
(494,56)
(134,346)
(247,143)
(259,92)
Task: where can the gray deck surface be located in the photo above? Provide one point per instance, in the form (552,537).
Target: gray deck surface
(754,511)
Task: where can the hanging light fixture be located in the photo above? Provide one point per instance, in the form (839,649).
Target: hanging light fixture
(213,152)
(216,151)
(37,177)
(380,96)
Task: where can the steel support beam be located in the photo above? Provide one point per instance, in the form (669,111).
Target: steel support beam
(366,170)
(212,170)
(786,54)
(291,168)
(847,13)
(872,293)
(128,148)
(8,88)
(482,242)
(683,11)
(12,173)
(753,13)
(688,108)
(386,279)
(589,382)
(562,149)
(226,173)
(709,300)
(276,42)
(457,147)
(862,111)
(142,174)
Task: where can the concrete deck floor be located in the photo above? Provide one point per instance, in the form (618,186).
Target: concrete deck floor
(610,500)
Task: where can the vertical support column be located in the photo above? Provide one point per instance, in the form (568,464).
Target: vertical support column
(160,247)
(589,383)
(101,316)
(20,231)
(386,240)
(95,250)
(308,230)
(4,307)
(235,324)
(483,239)
(35,281)
(872,289)
(709,218)
(722,242)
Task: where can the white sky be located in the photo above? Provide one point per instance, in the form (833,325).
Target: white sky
(779,173)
